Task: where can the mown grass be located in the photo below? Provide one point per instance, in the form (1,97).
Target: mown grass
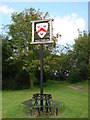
(76,100)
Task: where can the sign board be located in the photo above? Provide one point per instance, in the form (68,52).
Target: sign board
(42,31)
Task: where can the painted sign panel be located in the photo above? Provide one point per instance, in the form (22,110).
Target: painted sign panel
(42,31)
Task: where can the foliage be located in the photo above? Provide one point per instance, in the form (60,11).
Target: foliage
(70,62)
(80,59)
(18,54)
(22,80)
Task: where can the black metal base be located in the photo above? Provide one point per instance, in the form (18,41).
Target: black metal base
(42,100)
(43,103)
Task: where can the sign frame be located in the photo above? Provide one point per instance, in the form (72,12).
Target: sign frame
(50,31)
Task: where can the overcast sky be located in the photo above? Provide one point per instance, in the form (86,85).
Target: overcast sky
(68,16)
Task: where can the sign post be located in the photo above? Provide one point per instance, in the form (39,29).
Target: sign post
(41,74)
(41,34)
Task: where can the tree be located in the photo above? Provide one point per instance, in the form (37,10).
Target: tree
(80,59)
(24,55)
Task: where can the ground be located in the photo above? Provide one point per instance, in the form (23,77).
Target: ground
(75,97)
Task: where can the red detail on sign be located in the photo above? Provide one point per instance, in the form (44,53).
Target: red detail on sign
(42,29)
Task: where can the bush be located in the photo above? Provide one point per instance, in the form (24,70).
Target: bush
(22,80)
(74,76)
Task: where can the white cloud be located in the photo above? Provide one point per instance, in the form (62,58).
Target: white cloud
(5,9)
(68,27)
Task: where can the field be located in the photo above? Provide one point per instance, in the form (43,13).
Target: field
(75,97)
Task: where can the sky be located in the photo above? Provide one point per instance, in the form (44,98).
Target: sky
(69,17)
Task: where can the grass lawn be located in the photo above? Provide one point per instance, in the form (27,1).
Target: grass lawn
(75,97)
